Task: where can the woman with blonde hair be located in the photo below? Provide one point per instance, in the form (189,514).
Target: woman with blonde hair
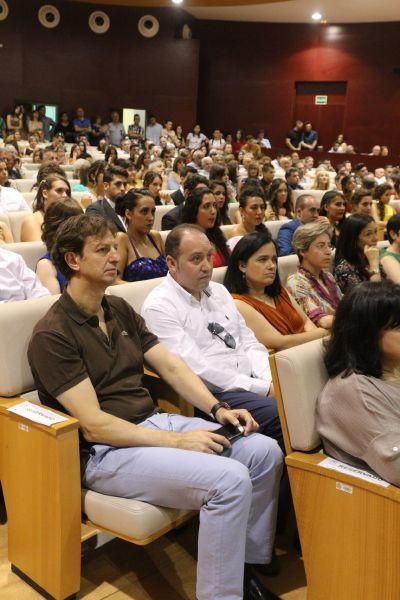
(321,181)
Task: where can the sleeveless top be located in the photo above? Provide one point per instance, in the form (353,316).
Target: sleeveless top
(144,267)
(62,280)
(284,317)
(395,255)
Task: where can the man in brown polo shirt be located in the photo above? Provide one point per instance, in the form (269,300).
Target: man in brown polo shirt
(87,357)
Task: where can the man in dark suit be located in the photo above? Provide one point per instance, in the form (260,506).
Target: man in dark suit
(114,181)
(178,197)
(174,216)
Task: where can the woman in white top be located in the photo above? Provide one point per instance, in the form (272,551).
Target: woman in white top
(195,139)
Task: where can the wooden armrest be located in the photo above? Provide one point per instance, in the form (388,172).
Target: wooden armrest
(40,476)
(58,428)
(310,463)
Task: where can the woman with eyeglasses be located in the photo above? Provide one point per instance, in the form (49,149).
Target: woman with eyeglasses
(358,416)
(270,312)
(201,208)
(313,286)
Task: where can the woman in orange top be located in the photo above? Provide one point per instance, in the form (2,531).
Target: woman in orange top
(269,310)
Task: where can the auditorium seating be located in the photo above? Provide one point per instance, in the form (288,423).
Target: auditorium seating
(40,476)
(14,221)
(349,528)
(23,185)
(30,252)
(160,212)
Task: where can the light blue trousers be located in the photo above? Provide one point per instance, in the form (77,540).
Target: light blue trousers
(236,494)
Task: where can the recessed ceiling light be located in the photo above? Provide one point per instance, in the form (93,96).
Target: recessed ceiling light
(177,1)
(316,16)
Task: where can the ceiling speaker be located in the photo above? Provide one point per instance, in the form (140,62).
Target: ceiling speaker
(49,16)
(148,26)
(99,21)
(3,10)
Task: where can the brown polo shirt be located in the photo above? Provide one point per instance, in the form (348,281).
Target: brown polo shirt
(67,346)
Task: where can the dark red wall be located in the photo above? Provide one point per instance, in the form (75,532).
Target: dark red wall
(248,73)
(72,66)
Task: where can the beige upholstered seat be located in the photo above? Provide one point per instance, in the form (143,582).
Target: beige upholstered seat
(300,387)
(30,252)
(126,517)
(233,207)
(23,185)
(287,265)
(15,220)
(160,212)
(135,292)
(29,197)
(274,227)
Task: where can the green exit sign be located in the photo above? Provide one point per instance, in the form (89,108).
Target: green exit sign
(321,100)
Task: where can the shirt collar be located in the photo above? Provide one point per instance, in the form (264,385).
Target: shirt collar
(187,296)
(79,315)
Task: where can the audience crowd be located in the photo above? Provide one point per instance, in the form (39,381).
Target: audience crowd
(95,192)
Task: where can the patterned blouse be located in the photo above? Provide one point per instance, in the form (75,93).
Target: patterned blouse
(316,300)
(348,275)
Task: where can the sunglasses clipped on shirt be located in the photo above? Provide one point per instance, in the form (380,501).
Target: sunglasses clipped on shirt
(222,334)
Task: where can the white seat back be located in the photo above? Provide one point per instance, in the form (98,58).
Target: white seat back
(30,252)
(136,292)
(29,198)
(160,212)
(287,265)
(17,320)
(302,375)
(274,227)
(233,207)
(23,185)
(15,220)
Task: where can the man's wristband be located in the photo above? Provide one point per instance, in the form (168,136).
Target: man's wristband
(216,407)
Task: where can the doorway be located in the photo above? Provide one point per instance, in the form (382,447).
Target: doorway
(327,119)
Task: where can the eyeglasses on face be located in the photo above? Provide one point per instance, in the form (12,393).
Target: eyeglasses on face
(222,334)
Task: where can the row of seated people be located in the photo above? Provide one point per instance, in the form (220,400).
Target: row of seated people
(142,256)
(179,312)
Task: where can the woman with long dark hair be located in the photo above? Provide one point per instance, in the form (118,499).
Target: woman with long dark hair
(252,211)
(201,208)
(220,192)
(279,202)
(272,314)
(358,415)
(357,254)
(56,214)
(382,210)
(141,250)
(333,207)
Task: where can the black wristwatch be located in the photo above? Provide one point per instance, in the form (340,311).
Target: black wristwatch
(216,407)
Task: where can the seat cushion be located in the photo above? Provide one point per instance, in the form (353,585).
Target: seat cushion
(130,518)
